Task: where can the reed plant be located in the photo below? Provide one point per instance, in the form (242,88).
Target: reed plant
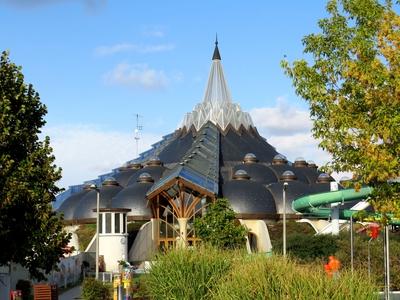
(209,273)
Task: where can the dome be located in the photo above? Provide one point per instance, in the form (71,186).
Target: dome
(249,198)
(134,198)
(145,177)
(241,175)
(154,171)
(250,158)
(154,161)
(257,172)
(288,176)
(110,181)
(324,178)
(279,159)
(84,209)
(68,207)
(312,164)
(300,162)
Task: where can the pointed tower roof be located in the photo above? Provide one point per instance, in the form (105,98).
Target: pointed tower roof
(216,54)
(217,105)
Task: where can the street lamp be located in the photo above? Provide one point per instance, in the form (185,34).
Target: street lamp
(95,188)
(285,177)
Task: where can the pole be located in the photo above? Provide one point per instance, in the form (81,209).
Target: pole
(351,244)
(387,263)
(285,184)
(369,258)
(97,233)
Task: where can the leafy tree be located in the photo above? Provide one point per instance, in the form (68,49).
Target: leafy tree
(219,226)
(30,232)
(351,80)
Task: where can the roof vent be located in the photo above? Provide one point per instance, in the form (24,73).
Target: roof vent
(288,176)
(241,175)
(110,181)
(300,162)
(324,178)
(86,186)
(134,166)
(250,158)
(311,164)
(154,161)
(279,159)
(145,177)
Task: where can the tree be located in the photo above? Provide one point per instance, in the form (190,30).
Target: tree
(30,231)
(219,226)
(351,80)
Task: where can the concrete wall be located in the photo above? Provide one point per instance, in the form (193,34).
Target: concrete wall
(144,245)
(260,230)
(113,247)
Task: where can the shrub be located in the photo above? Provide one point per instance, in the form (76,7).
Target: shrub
(310,247)
(93,289)
(25,287)
(186,274)
(219,226)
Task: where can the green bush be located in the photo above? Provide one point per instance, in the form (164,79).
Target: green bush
(219,226)
(25,287)
(93,289)
(310,247)
(186,274)
(85,234)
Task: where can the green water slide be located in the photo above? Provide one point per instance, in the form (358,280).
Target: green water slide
(311,204)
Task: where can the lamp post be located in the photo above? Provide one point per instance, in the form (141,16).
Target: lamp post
(94,187)
(285,185)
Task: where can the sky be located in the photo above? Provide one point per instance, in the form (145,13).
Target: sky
(96,64)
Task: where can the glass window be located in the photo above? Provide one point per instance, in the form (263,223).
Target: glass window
(100,223)
(108,223)
(123,223)
(116,223)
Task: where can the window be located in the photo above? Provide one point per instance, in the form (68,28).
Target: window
(108,223)
(123,223)
(100,223)
(116,223)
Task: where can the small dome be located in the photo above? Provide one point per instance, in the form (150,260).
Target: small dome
(300,162)
(241,175)
(154,161)
(250,158)
(279,159)
(323,178)
(145,177)
(87,186)
(312,164)
(110,181)
(134,166)
(288,176)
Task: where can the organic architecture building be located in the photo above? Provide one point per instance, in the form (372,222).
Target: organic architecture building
(216,152)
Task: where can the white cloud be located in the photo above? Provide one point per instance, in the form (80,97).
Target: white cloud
(289,130)
(127,47)
(137,76)
(84,151)
(282,119)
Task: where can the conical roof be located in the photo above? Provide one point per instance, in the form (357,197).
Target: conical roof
(217,106)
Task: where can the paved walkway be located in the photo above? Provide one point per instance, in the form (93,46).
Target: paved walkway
(71,294)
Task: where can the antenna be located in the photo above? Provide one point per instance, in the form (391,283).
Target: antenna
(138,129)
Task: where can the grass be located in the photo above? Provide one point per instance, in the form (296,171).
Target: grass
(209,273)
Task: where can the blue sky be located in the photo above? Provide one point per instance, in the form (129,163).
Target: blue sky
(98,63)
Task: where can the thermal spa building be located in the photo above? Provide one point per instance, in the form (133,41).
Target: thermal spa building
(217,152)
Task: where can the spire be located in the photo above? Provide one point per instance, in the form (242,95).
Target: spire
(216,54)
(217,105)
